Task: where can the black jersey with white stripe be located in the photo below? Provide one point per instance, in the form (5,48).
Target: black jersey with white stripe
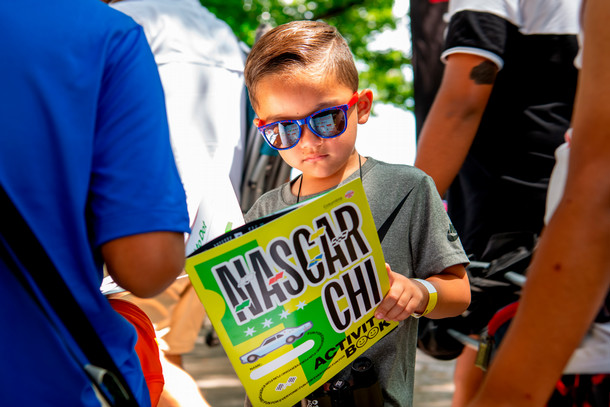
(502,185)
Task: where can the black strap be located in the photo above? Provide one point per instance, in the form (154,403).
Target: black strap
(23,253)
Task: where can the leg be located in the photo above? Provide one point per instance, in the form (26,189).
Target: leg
(180,388)
(467,378)
(185,324)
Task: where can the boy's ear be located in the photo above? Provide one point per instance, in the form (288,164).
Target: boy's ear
(256,121)
(364,105)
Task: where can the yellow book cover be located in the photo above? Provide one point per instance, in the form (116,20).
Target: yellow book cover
(292,298)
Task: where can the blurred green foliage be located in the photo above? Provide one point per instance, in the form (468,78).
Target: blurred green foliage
(359,21)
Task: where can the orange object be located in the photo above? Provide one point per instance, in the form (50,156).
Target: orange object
(146,346)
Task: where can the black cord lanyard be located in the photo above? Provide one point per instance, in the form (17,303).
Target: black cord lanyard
(301,176)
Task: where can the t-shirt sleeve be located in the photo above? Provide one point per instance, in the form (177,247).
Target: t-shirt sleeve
(254,212)
(266,204)
(479,28)
(135,186)
(434,241)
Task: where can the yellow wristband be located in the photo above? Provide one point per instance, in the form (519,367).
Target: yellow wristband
(432,298)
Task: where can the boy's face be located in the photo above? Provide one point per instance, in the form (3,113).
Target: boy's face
(329,160)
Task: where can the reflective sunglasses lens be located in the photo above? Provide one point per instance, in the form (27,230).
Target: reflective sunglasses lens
(329,123)
(282,135)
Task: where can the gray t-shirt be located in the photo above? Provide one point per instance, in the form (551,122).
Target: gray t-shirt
(419,242)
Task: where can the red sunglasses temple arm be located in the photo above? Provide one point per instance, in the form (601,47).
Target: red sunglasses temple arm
(353,100)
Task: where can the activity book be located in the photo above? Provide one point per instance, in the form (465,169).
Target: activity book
(292,295)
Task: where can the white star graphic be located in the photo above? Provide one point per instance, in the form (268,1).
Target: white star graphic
(250,331)
(284,314)
(301,305)
(267,323)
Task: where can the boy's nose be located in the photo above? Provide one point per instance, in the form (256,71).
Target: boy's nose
(308,138)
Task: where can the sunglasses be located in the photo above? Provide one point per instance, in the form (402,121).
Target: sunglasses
(326,123)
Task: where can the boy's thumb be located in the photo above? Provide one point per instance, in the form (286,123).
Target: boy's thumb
(389,270)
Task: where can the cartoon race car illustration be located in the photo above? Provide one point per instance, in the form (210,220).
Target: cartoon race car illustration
(284,337)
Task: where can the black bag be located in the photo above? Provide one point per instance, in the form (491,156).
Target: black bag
(24,255)
(490,291)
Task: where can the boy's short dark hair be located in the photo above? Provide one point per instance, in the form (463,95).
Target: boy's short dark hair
(301,47)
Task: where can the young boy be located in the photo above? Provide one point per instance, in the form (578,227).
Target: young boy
(303,85)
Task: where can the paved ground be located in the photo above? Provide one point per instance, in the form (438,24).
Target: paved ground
(218,382)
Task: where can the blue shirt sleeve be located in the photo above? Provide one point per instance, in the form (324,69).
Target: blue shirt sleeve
(135,186)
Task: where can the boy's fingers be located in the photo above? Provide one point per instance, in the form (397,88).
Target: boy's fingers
(386,305)
(393,304)
(400,310)
(397,305)
(381,312)
(402,316)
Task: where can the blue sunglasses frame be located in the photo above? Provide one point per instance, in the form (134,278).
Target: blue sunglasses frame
(307,120)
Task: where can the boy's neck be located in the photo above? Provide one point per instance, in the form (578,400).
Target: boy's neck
(308,185)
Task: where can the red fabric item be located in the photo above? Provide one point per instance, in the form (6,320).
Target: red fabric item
(561,388)
(584,390)
(501,317)
(146,346)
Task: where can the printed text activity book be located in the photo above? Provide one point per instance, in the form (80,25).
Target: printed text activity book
(292,296)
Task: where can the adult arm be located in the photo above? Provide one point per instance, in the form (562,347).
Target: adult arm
(570,273)
(454,117)
(147,263)
(136,198)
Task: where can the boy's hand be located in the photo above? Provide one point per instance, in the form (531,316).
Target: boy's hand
(404,298)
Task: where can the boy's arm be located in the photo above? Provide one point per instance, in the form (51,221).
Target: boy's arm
(454,117)
(453,291)
(408,296)
(569,275)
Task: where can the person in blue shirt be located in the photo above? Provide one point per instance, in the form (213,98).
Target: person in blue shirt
(85,157)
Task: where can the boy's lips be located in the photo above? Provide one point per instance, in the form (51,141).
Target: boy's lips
(314,157)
